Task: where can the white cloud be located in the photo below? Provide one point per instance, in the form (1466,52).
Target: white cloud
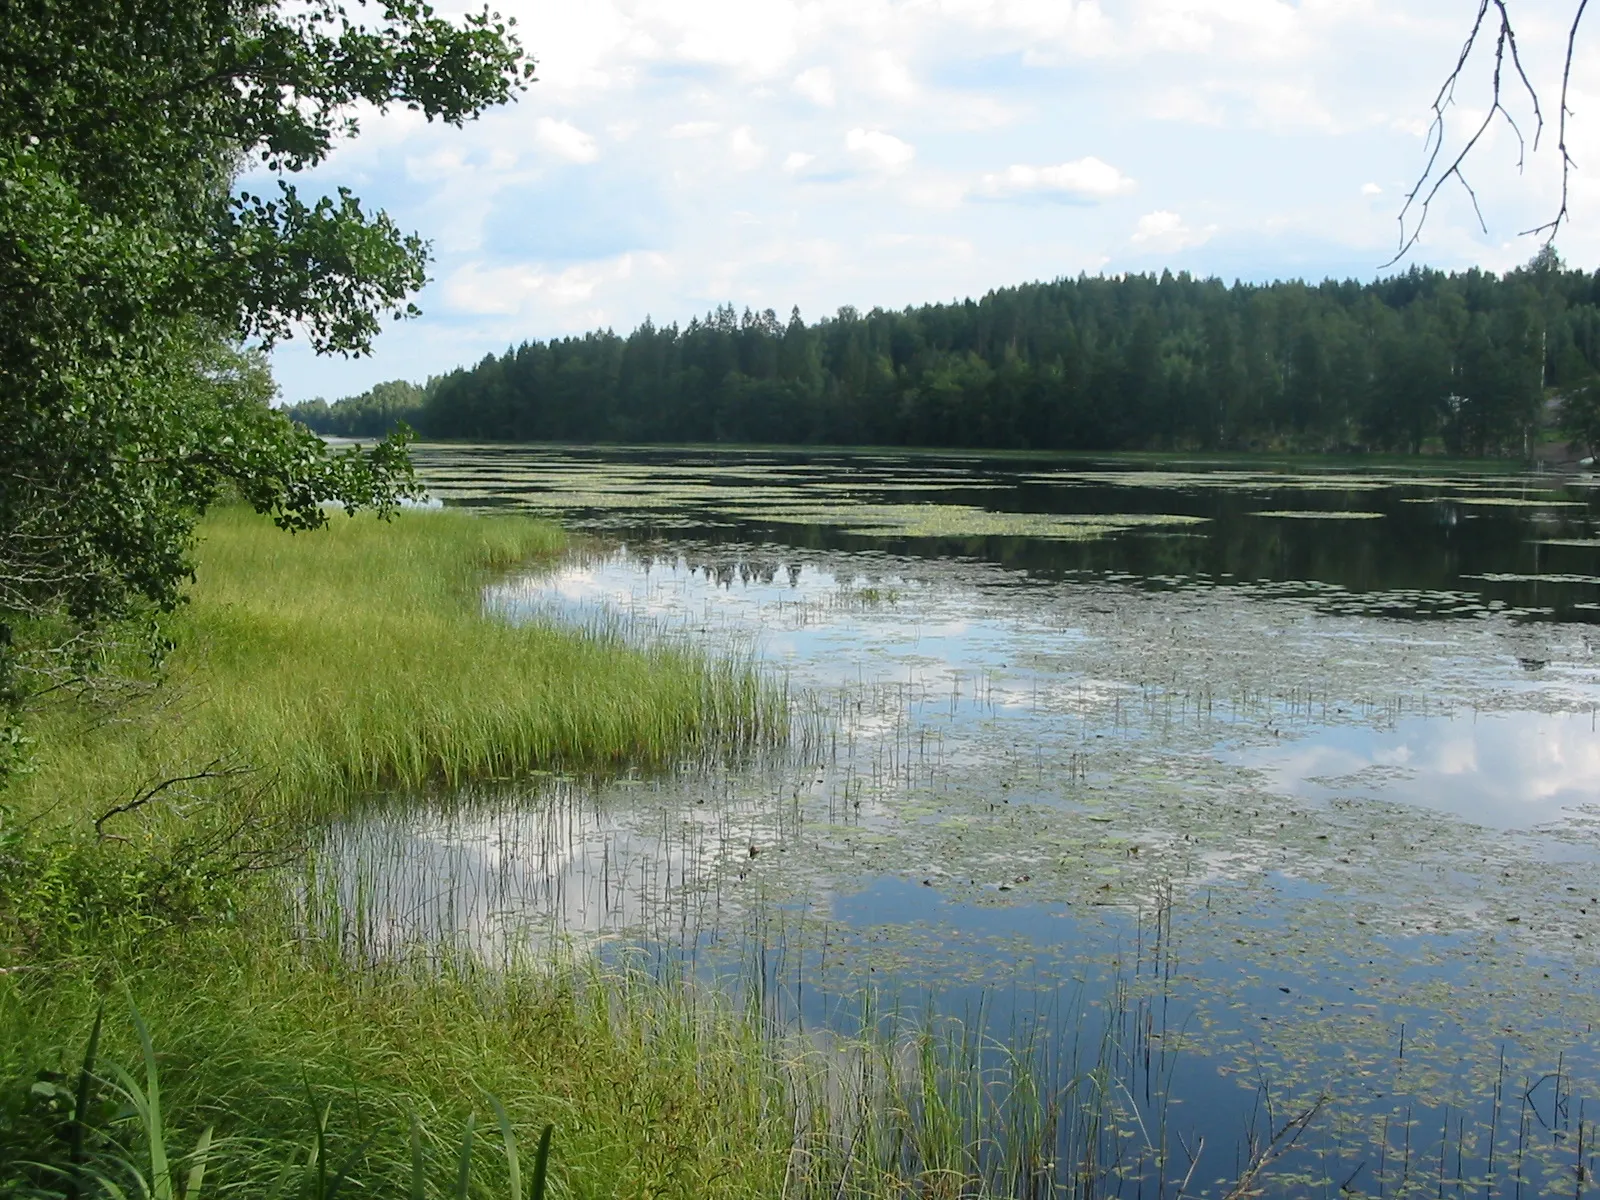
(1166,233)
(1076,27)
(439,166)
(1267,113)
(1083,178)
(565,140)
(816,85)
(745,151)
(752,37)
(1371,189)
(879,150)
(891,77)
(481,291)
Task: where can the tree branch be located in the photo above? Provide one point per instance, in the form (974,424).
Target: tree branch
(1419,200)
(212,770)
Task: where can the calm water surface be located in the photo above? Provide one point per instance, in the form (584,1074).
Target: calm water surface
(1290,780)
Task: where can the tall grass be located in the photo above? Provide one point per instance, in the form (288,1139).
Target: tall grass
(266,1063)
(290,1061)
(359,656)
(294,1067)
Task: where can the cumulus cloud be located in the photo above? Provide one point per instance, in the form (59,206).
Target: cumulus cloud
(723,107)
(1081,179)
(480,290)
(1166,233)
(816,85)
(891,77)
(744,150)
(438,166)
(565,140)
(878,150)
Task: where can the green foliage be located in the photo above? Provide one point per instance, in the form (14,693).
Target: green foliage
(84,1147)
(66,888)
(1580,413)
(130,269)
(352,655)
(374,413)
(1134,362)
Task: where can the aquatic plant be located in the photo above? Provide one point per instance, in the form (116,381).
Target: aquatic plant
(307,669)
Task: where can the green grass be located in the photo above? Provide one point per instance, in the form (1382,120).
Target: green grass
(244,1055)
(288,1065)
(359,656)
(653,1092)
(324,666)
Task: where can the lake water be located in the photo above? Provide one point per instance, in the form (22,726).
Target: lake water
(1281,784)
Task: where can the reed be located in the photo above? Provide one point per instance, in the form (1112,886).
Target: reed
(298,1075)
(291,1076)
(309,668)
(242,1052)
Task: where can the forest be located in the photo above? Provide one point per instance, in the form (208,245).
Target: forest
(1464,363)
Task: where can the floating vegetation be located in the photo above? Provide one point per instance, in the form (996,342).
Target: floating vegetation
(958,520)
(1473,501)
(1313,515)
(1221,480)
(1003,778)
(1526,577)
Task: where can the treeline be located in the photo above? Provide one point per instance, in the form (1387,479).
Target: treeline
(371,414)
(1463,362)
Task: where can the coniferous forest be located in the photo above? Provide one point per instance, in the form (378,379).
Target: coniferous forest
(1462,363)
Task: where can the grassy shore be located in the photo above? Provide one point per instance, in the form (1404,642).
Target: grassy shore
(358,657)
(305,671)
(244,1055)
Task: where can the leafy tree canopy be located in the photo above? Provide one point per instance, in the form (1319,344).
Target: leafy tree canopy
(130,266)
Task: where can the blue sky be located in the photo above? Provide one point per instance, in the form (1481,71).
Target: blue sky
(679,154)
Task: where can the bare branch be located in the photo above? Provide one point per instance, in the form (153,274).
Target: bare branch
(1567,165)
(1419,200)
(212,770)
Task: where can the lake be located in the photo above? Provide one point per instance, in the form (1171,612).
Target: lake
(1260,803)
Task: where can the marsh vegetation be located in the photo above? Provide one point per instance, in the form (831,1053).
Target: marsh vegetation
(1084,829)
(1346,775)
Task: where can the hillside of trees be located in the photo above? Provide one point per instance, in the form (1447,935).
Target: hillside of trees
(1461,362)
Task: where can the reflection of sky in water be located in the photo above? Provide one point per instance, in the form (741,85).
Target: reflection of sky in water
(824,627)
(966,655)
(542,862)
(1012,767)
(1509,770)
(1006,776)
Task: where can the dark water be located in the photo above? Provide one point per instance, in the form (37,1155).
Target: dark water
(1454,537)
(1248,812)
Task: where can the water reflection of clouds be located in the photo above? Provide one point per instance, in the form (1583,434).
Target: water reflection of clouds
(1508,770)
(518,871)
